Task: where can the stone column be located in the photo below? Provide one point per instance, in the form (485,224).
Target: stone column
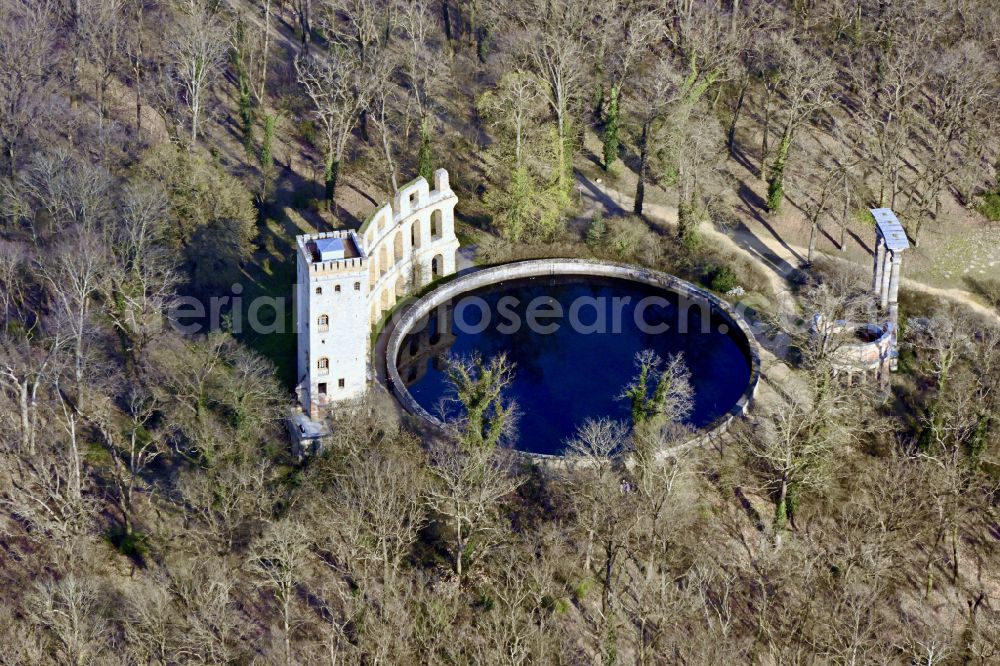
(449,261)
(884,292)
(405,231)
(447,223)
(879,263)
(894,288)
(425,230)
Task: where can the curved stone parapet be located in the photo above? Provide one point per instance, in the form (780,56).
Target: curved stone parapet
(859,357)
(563,267)
(346,281)
(411,242)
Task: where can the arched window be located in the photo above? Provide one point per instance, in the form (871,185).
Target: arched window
(437,225)
(323,366)
(337,288)
(323,322)
(319,290)
(357,286)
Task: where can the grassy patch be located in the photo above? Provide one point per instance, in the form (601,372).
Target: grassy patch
(990,208)
(134,546)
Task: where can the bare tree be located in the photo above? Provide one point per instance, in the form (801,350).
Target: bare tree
(63,188)
(382,111)
(13,262)
(198,46)
(513,109)
(359,24)
(659,91)
(807,84)
(381,495)
(135,52)
(633,30)
(27,74)
(73,275)
(467,489)
(141,281)
(887,81)
(133,448)
(660,396)
(229,499)
(697,150)
(421,63)
(604,499)
(69,610)
(790,446)
(24,370)
(839,298)
(336,87)
(960,92)
(277,559)
(102,28)
(552,40)
(303,12)
(204,594)
(708,39)
(833,170)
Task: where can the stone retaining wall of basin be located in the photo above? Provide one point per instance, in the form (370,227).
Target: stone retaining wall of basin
(562,267)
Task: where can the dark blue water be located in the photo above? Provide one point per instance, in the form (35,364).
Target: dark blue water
(575,366)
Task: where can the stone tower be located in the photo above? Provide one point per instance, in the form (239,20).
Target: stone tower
(347,280)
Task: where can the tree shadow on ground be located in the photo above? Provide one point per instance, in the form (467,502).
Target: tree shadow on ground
(752,206)
(590,189)
(743,159)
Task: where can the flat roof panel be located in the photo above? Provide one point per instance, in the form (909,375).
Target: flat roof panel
(330,249)
(891,229)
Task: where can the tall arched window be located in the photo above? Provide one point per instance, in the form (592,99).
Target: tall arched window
(323,366)
(437,225)
(323,323)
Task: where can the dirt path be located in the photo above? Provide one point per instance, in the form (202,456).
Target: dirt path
(777,258)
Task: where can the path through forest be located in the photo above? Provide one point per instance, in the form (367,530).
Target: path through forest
(777,258)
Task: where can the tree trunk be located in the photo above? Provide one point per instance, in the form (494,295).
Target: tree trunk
(640,185)
(776,182)
(845,216)
(764,138)
(195,110)
(731,134)
(446,15)
(459,548)
(609,557)
(561,162)
(286,617)
(138,109)
(390,164)
(303,9)
(266,48)
(331,171)
(25,420)
(781,507)
(954,551)
(812,240)
(9,150)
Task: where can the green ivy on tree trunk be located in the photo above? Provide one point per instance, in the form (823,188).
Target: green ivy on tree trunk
(425,158)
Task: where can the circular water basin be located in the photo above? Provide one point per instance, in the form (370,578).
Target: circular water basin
(572,340)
